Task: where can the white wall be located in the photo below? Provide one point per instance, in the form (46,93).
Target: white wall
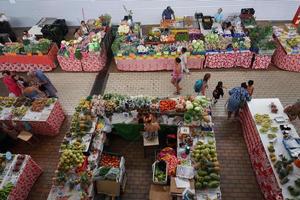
(25,13)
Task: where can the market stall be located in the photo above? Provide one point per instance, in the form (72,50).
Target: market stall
(84,166)
(18,173)
(21,58)
(263,46)
(157,50)
(226,44)
(273,146)
(287,54)
(89,52)
(41,117)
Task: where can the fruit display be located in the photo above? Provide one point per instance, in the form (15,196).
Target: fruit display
(70,159)
(7,101)
(5,191)
(19,112)
(265,122)
(38,105)
(168,155)
(108,160)
(80,124)
(22,101)
(205,158)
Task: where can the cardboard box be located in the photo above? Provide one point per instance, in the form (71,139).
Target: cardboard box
(108,187)
(158,192)
(174,191)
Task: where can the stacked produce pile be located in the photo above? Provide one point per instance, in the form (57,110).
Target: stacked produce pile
(290,39)
(18,107)
(91,43)
(42,46)
(75,170)
(83,45)
(261,40)
(159,44)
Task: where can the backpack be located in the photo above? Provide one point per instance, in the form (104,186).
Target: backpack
(198,85)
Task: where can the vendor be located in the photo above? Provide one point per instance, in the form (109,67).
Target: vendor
(219,16)
(84,28)
(168,14)
(293,111)
(78,33)
(28,37)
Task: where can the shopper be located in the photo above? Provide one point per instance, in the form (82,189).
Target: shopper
(168,14)
(219,16)
(44,82)
(20,81)
(218,92)
(250,87)
(205,83)
(11,84)
(32,92)
(177,75)
(84,28)
(293,111)
(237,99)
(183,58)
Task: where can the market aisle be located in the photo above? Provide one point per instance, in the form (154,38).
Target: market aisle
(72,87)
(237,177)
(268,84)
(238,181)
(45,154)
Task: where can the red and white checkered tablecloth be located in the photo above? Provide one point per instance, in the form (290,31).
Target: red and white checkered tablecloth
(144,63)
(90,62)
(262,167)
(229,60)
(289,62)
(26,180)
(261,61)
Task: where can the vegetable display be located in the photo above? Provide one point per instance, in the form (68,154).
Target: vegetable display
(4,192)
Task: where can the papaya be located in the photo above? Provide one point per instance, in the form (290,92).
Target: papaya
(202,173)
(297,182)
(214,176)
(207,178)
(205,184)
(213,184)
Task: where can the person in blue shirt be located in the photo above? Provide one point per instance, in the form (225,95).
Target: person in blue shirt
(168,13)
(219,16)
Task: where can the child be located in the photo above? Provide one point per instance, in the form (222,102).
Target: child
(250,87)
(177,75)
(218,92)
(183,58)
(202,84)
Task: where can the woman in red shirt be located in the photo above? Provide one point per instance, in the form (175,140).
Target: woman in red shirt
(11,84)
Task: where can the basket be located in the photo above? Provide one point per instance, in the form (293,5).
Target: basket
(164,182)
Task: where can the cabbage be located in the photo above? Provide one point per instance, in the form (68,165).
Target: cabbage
(189,106)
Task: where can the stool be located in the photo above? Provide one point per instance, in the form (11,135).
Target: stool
(150,144)
(26,136)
